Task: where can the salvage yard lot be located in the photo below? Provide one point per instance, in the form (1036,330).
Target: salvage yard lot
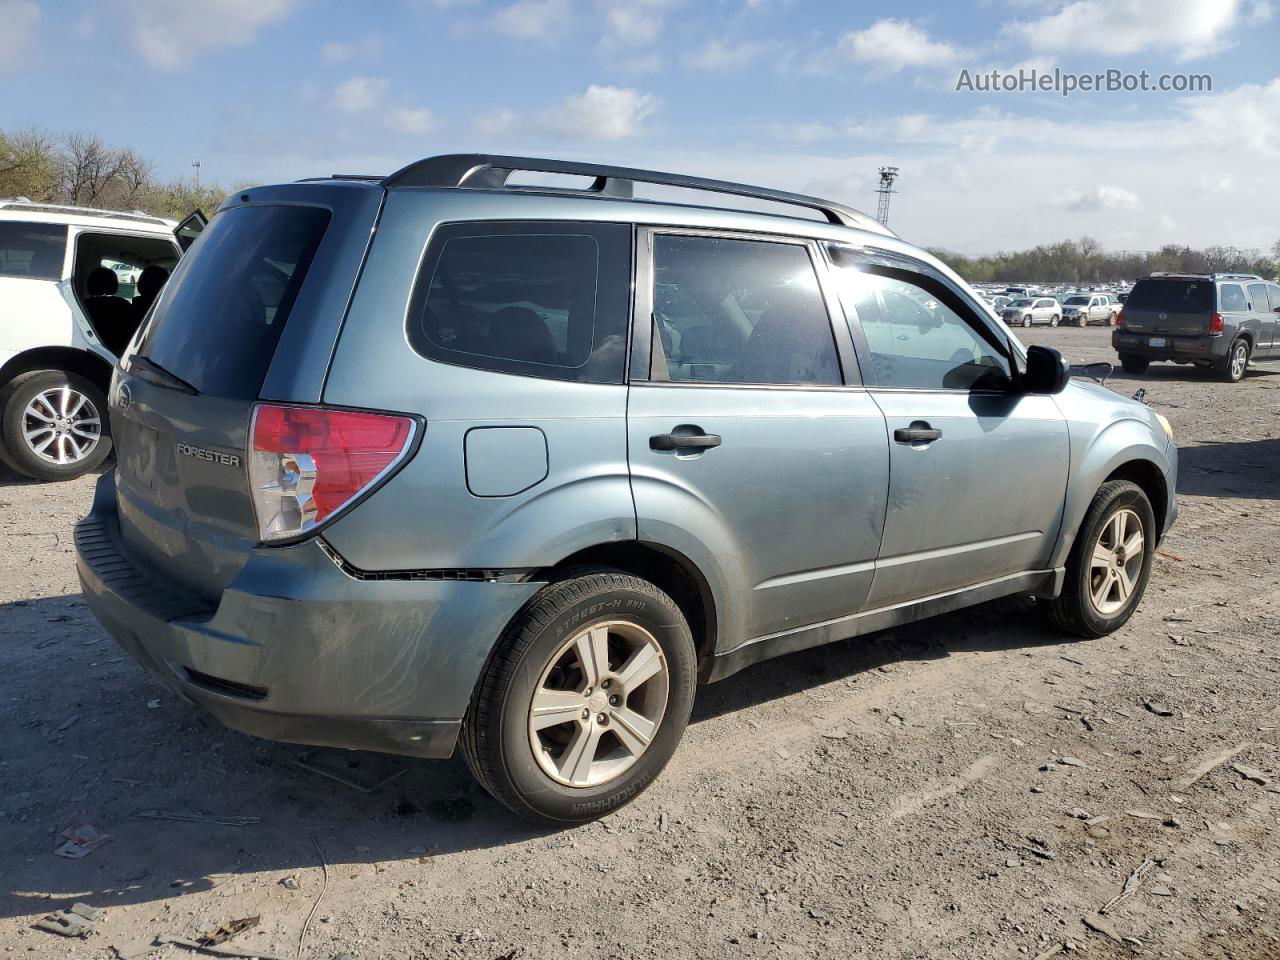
(971,786)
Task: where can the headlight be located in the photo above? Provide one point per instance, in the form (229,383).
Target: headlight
(1164,422)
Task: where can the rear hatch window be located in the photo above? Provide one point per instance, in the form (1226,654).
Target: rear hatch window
(1169,305)
(221,315)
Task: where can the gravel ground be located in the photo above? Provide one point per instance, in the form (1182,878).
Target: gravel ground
(911,794)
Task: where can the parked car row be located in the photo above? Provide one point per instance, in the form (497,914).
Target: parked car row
(1077,309)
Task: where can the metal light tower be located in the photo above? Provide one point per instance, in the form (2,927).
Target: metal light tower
(196,165)
(887,176)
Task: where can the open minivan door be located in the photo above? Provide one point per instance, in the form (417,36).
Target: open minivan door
(190,228)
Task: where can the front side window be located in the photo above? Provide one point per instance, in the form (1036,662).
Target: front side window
(32,251)
(537,299)
(741,312)
(1231,297)
(920,335)
(1258,298)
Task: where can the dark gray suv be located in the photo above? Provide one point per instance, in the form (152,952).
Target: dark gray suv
(431,459)
(1217,321)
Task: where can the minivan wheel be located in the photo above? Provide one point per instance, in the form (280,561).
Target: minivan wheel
(1110,562)
(584,699)
(54,425)
(1237,362)
(1132,364)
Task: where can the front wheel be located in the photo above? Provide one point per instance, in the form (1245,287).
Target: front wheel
(1110,563)
(1026,321)
(53,425)
(584,700)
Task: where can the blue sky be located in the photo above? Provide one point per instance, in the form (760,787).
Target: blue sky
(803,94)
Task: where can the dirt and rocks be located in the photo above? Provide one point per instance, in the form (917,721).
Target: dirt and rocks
(968,787)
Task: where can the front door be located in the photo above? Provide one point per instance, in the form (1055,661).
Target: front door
(1264,316)
(978,473)
(753,448)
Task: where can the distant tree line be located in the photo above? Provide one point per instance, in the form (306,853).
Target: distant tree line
(1084,261)
(82,170)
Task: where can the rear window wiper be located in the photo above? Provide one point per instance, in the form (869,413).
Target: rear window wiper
(147,369)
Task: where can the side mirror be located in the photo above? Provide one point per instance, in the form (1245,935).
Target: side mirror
(1047,371)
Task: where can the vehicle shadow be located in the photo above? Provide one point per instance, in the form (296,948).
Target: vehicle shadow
(1246,468)
(92,740)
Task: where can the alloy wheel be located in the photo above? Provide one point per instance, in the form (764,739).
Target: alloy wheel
(61,425)
(599,703)
(1116,563)
(1239,359)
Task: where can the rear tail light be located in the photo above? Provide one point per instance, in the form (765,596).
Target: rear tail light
(1120,317)
(306,464)
(1215,323)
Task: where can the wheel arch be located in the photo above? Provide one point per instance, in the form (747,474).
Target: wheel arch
(70,359)
(1152,482)
(668,569)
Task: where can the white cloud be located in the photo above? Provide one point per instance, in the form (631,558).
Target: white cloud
(893,45)
(1100,198)
(532,19)
(1261,12)
(1249,114)
(494,123)
(412,120)
(359,94)
(1191,28)
(600,113)
(633,23)
(170,35)
(20,20)
(718,55)
(337,52)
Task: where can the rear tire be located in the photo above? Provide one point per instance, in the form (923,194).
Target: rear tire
(1236,364)
(1132,364)
(53,425)
(1107,575)
(548,654)
(1053,321)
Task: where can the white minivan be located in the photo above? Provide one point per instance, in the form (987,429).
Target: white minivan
(75,284)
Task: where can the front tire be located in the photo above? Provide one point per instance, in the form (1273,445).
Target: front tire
(53,425)
(584,699)
(1132,364)
(1026,321)
(1110,563)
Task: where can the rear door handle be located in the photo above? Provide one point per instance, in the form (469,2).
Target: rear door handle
(684,441)
(918,432)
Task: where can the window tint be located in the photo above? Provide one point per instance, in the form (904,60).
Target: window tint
(34,251)
(539,299)
(917,338)
(1258,298)
(218,320)
(1274,290)
(1170,296)
(1075,301)
(1231,297)
(740,311)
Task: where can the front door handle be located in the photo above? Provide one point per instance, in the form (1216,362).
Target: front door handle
(918,432)
(684,441)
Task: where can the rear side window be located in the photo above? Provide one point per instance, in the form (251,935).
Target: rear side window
(740,311)
(33,251)
(1231,297)
(218,320)
(537,299)
(1171,296)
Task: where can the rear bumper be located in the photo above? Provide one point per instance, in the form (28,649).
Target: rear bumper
(1205,347)
(297,650)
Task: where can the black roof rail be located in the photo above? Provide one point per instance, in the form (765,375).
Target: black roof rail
(371,177)
(484,171)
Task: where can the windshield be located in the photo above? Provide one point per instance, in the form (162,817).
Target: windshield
(1020,303)
(1076,301)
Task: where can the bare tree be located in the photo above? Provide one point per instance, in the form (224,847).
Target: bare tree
(89,167)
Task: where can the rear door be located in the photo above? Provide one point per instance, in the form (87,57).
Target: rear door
(1233,304)
(263,275)
(747,441)
(977,474)
(1263,316)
